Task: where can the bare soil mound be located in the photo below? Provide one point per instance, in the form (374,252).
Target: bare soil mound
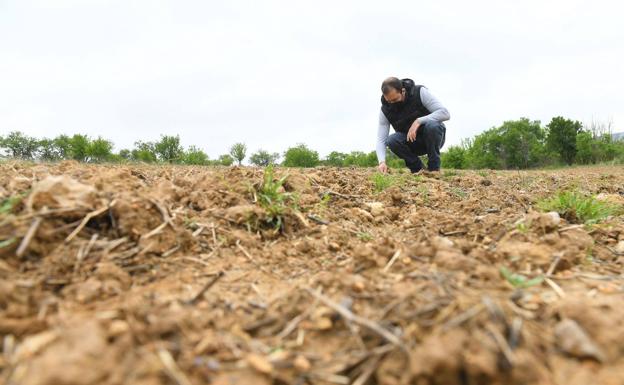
(179,275)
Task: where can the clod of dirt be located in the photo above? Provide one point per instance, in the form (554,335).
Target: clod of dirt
(302,364)
(539,255)
(441,243)
(333,246)
(572,340)
(56,192)
(243,214)
(577,238)
(63,361)
(619,248)
(611,198)
(19,183)
(247,376)
(297,182)
(259,363)
(454,260)
(376,208)
(361,215)
(547,222)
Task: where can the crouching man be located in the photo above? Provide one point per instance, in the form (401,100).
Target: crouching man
(416,116)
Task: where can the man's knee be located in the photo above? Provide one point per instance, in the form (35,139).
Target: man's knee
(395,140)
(434,131)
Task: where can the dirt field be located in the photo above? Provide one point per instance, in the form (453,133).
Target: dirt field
(169,275)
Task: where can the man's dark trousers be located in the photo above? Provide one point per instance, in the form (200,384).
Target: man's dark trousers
(429,139)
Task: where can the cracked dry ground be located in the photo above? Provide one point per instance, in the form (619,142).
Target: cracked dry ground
(156,275)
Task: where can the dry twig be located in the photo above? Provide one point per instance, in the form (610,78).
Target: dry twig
(205,288)
(87,218)
(350,316)
(32,230)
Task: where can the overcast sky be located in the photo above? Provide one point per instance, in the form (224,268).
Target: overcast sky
(273,74)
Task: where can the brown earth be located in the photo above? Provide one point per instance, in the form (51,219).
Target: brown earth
(169,275)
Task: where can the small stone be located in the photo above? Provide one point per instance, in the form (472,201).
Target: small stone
(333,246)
(302,364)
(572,340)
(551,220)
(323,323)
(359,286)
(442,243)
(260,363)
(619,248)
(118,327)
(376,208)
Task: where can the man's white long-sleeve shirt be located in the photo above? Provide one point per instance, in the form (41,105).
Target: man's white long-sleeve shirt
(438,113)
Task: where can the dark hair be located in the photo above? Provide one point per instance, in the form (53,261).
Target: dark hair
(389,83)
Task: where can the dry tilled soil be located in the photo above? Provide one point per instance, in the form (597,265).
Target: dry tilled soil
(193,275)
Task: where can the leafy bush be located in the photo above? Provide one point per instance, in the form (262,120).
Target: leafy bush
(49,150)
(263,158)
(194,155)
(168,149)
(454,157)
(225,160)
(99,150)
(144,152)
(300,156)
(238,152)
(335,159)
(515,144)
(20,145)
(561,137)
(79,147)
(361,159)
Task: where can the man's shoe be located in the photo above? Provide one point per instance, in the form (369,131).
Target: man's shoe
(431,173)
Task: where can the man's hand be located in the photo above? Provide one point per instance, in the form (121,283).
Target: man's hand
(411,134)
(383,168)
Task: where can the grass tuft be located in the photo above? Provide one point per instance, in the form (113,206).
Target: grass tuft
(273,198)
(579,208)
(365,236)
(382,181)
(7,205)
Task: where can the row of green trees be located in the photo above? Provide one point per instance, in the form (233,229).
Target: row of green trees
(169,150)
(515,144)
(524,143)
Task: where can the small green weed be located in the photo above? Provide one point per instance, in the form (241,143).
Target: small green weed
(382,181)
(579,208)
(365,236)
(272,197)
(482,173)
(7,242)
(522,227)
(424,192)
(190,223)
(9,203)
(519,280)
(449,174)
(458,192)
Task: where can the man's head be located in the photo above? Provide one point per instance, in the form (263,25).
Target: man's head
(393,90)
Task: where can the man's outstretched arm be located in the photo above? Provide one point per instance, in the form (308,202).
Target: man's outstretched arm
(382,135)
(438,112)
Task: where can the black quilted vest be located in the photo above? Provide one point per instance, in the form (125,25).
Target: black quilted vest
(401,115)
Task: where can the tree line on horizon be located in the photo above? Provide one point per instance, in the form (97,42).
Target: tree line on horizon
(516,144)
